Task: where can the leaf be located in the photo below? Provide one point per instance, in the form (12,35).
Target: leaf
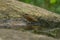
(53,1)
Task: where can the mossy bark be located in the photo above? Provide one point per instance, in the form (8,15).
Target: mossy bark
(12,9)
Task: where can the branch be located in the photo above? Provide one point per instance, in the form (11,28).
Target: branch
(17,9)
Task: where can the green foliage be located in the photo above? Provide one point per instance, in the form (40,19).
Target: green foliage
(53,1)
(58,9)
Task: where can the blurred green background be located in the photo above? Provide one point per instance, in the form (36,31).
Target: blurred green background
(51,5)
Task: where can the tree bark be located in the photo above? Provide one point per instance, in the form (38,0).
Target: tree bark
(14,8)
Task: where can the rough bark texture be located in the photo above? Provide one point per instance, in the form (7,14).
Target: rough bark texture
(14,13)
(9,34)
(14,8)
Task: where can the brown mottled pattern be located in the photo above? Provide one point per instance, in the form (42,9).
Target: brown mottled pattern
(15,7)
(9,34)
